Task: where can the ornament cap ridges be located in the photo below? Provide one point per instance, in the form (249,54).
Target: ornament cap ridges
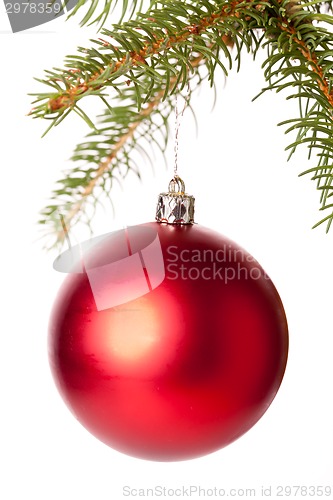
(175,206)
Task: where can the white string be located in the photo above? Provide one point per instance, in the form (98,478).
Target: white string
(178,117)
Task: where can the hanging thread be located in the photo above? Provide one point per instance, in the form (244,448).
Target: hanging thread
(178,117)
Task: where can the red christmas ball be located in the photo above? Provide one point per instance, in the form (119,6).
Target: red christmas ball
(170,344)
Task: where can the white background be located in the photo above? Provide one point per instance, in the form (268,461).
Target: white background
(236,167)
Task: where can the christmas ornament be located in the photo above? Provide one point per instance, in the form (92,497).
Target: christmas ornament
(170,341)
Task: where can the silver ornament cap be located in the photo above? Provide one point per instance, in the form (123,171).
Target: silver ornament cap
(175,206)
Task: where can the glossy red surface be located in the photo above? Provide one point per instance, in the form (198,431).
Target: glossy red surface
(180,371)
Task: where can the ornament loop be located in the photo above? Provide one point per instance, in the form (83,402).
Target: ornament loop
(177,182)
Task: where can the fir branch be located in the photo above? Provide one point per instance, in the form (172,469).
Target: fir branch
(109,149)
(95,13)
(157,44)
(138,65)
(300,57)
